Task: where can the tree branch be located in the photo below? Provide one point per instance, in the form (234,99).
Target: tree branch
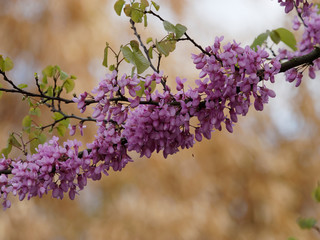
(297,61)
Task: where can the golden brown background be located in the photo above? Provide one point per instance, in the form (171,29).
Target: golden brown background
(252,184)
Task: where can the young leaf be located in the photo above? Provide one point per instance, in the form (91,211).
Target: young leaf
(13,141)
(105,55)
(63,75)
(275,37)
(22,85)
(118,6)
(156,6)
(165,47)
(149,40)
(169,27)
(136,58)
(48,71)
(61,130)
(7,150)
(143,4)
(150,52)
(306,223)
(136,13)
(316,193)
(112,67)
(287,37)
(127,10)
(145,20)
(69,85)
(7,65)
(35,111)
(258,41)
(180,30)
(26,123)
(57,116)
(134,44)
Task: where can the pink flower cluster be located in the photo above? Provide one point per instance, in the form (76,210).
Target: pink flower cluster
(290,4)
(53,168)
(231,79)
(310,39)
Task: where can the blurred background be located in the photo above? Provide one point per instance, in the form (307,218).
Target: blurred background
(252,184)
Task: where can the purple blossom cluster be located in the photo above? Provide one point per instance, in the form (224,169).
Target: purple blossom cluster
(310,18)
(53,168)
(132,116)
(290,4)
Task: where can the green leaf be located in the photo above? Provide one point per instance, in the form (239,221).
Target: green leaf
(34,141)
(275,37)
(63,75)
(26,123)
(150,52)
(42,138)
(127,10)
(136,13)
(156,6)
(57,116)
(6,64)
(287,37)
(118,6)
(316,193)
(143,5)
(6,151)
(134,44)
(180,30)
(306,223)
(165,47)
(105,55)
(169,27)
(65,122)
(13,141)
(258,41)
(292,238)
(48,71)
(22,85)
(35,111)
(61,130)
(69,85)
(112,67)
(135,57)
(145,20)
(149,40)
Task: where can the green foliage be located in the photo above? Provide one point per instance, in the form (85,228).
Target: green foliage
(56,73)
(306,223)
(5,64)
(36,137)
(287,37)
(26,123)
(177,29)
(167,45)
(316,193)
(118,6)
(292,238)
(105,55)
(6,151)
(135,57)
(156,6)
(277,35)
(22,85)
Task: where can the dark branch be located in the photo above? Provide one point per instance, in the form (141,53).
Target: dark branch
(297,61)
